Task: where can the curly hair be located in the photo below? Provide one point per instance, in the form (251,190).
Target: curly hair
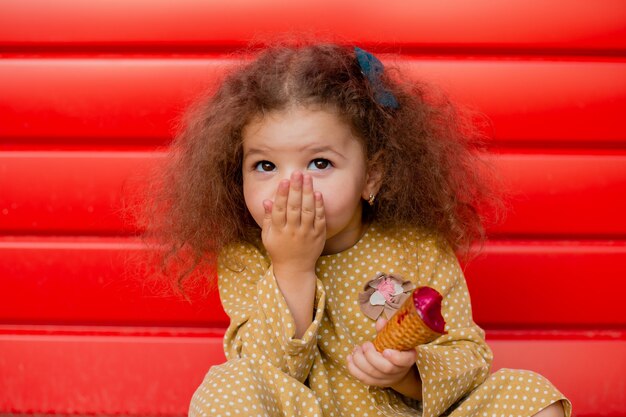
(427,150)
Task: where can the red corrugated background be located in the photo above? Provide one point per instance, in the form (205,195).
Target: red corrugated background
(90,91)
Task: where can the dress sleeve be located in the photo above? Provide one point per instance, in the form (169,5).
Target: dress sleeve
(459,361)
(261,325)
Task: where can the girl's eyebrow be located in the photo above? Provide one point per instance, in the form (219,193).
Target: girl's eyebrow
(253,151)
(315,149)
(320,149)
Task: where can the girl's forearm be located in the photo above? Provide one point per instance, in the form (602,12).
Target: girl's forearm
(298,288)
(411,385)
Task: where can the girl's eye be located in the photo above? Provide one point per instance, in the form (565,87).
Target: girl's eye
(319,163)
(264,166)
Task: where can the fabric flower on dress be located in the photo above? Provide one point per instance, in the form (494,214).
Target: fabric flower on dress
(384,294)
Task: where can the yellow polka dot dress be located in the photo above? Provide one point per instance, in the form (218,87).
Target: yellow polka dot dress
(271,373)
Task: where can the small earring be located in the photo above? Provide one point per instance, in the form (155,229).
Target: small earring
(370,200)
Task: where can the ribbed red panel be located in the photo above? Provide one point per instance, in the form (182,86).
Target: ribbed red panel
(84,192)
(548,284)
(138,101)
(574,24)
(70,192)
(94,281)
(103,375)
(89,89)
(520,284)
(563,195)
(599,362)
(162,372)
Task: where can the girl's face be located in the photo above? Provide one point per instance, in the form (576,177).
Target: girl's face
(315,142)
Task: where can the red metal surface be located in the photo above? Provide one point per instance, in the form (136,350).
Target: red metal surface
(514,284)
(103,375)
(156,375)
(136,101)
(534,284)
(107,80)
(589,372)
(69,192)
(94,281)
(564,195)
(83,192)
(481,24)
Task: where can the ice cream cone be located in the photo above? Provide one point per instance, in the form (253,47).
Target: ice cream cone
(417,321)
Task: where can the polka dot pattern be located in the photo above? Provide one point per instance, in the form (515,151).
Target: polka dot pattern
(270,372)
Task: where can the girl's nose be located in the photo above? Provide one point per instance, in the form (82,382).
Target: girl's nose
(292,174)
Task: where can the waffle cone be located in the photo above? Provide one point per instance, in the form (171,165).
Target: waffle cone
(404,330)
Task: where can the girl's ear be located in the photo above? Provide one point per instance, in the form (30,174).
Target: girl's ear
(374,178)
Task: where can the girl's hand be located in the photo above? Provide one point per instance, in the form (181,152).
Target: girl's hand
(294,226)
(382,370)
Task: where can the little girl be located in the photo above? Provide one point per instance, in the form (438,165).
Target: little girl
(321,180)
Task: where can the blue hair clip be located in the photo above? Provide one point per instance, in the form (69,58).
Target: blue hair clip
(372,68)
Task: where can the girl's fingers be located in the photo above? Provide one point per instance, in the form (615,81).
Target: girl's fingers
(362,363)
(354,371)
(280,204)
(379,362)
(358,373)
(370,376)
(320,216)
(294,201)
(308,201)
(380,323)
(401,358)
(267,217)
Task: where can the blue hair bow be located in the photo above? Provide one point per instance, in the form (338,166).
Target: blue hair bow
(372,68)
